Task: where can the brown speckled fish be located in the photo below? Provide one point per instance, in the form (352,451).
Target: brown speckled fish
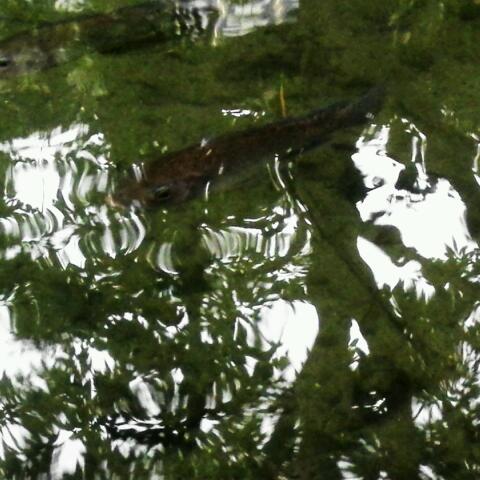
(179,176)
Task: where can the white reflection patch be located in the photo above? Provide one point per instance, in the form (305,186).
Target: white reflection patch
(142,391)
(51,171)
(234,242)
(20,361)
(427,473)
(161,257)
(294,328)
(37,186)
(426,414)
(34,177)
(346,468)
(13,436)
(235,19)
(430,221)
(100,360)
(375,165)
(475,167)
(67,456)
(357,343)
(386,273)
(433,224)
(241,112)
(69,4)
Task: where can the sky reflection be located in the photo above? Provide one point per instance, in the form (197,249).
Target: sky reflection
(233,20)
(430,221)
(50,181)
(34,177)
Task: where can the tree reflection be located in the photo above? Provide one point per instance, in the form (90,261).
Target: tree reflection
(292,326)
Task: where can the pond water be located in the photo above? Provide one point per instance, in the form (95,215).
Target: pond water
(312,314)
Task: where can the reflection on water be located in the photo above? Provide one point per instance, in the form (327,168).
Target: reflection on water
(318,319)
(233,18)
(239,19)
(49,188)
(388,274)
(253,262)
(292,329)
(52,173)
(35,178)
(414,213)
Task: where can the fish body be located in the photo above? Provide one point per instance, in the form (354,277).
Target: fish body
(181,175)
(57,42)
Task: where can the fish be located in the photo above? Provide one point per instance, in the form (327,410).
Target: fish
(54,43)
(182,175)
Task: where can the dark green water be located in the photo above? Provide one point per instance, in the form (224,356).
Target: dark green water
(316,318)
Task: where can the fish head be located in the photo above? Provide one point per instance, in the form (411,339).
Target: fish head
(163,194)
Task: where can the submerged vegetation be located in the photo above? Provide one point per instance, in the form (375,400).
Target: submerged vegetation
(159,343)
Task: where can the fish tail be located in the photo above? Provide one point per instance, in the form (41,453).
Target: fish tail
(367,105)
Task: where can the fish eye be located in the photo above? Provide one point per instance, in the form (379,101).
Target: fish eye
(162,193)
(5,62)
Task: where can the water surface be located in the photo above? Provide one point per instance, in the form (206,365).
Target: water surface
(315,318)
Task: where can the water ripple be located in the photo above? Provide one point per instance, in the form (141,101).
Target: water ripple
(51,188)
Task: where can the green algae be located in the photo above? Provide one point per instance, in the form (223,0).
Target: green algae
(423,354)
